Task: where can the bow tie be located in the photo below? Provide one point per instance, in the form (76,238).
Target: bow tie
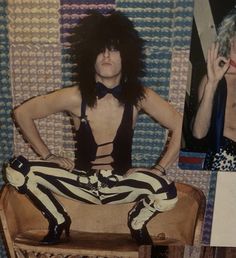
(102,90)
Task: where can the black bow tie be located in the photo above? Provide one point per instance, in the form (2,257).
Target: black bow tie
(102,90)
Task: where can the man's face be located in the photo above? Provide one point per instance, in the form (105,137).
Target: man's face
(108,65)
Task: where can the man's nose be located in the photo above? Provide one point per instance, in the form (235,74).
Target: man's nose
(106,52)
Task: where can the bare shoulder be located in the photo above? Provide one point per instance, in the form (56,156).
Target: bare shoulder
(149,92)
(69,91)
(72,93)
(65,99)
(68,95)
(160,109)
(150,97)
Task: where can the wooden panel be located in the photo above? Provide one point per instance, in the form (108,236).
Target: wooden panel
(205,24)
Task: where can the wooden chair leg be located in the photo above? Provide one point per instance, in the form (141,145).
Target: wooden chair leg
(171,251)
(145,251)
(176,251)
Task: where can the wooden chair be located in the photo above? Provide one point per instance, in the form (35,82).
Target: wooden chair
(98,230)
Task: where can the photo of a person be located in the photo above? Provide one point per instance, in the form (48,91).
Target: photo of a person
(214,118)
(104,107)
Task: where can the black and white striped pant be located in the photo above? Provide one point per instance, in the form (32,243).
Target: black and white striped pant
(152,193)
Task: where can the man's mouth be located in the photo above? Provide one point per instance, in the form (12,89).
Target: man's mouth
(106,63)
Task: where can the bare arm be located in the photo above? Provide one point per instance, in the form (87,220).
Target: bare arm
(202,118)
(40,107)
(206,92)
(168,117)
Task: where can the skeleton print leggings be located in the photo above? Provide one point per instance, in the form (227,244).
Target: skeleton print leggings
(39,180)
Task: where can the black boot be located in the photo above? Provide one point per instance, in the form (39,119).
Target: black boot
(145,210)
(22,166)
(55,231)
(160,251)
(141,236)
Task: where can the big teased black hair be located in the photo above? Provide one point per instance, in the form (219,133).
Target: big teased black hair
(97,32)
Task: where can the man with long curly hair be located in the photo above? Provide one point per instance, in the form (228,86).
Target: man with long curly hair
(104,106)
(215,117)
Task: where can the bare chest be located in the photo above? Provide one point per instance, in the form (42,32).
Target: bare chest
(104,119)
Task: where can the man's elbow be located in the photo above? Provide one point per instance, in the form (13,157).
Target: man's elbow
(19,114)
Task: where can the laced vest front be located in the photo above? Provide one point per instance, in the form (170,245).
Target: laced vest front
(86,146)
